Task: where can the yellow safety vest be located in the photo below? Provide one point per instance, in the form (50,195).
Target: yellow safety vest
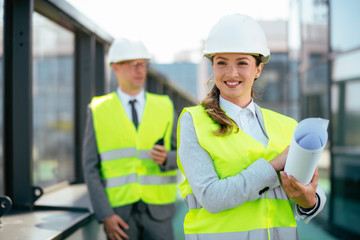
(269,217)
(126,168)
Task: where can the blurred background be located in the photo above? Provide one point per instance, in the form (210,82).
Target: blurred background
(53,61)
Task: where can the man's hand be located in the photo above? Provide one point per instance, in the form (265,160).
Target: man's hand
(304,196)
(114,226)
(158,154)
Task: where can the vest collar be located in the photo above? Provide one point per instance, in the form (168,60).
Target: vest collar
(260,119)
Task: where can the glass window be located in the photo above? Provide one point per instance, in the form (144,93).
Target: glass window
(294,31)
(346,66)
(314,23)
(53,102)
(346,202)
(2,180)
(315,82)
(314,11)
(316,106)
(344,19)
(352,111)
(316,78)
(335,99)
(270,86)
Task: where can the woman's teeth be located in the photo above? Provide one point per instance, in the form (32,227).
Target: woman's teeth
(232,83)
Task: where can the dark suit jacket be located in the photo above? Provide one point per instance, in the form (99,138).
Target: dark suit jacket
(99,200)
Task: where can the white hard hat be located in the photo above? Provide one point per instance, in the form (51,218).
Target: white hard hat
(127,49)
(237,33)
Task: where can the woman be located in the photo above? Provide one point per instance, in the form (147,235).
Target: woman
(232,152)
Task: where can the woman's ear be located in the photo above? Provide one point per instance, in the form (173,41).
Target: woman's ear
(258,70)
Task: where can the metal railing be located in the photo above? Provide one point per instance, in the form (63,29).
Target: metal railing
(158,83)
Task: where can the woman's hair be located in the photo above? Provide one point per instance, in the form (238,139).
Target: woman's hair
(213,109)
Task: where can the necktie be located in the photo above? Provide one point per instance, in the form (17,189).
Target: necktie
(133,112)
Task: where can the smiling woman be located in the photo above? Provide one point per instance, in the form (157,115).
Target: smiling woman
(239,148)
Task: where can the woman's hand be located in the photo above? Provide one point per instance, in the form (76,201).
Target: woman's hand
(303,195)
(278,163)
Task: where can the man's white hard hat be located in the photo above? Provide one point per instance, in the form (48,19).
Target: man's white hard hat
(237,33)
(124,49)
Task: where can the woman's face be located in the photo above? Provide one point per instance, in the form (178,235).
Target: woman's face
(234,75)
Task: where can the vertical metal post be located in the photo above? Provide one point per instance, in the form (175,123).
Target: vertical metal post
(84,91)
(18,102)
(99,69)
(300,76)
(331,129)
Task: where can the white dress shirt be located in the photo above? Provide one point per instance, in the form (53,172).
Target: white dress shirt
(246,119)
(139,104)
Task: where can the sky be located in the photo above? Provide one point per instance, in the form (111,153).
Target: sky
(168,27)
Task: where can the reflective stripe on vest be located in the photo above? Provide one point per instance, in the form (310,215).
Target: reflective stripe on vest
(126,167)
(257,234)
(118,153)
(119,181)
(276,193)
(143,154)
(271,214)
(124,153)
(145,180)
(157,180)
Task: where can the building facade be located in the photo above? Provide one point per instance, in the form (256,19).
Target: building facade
(324,48)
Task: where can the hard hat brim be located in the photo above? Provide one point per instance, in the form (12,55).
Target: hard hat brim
(264,59)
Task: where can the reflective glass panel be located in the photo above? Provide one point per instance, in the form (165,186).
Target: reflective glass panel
(315,82)
(314,29)
(346,66)
(53,102)
(335,95)
(352,111)
(345,34)
(346,200)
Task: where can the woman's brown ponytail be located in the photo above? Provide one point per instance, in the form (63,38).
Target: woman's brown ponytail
(213,109)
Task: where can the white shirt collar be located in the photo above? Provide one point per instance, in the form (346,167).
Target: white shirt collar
(246,119)
(234,110)
(125,98)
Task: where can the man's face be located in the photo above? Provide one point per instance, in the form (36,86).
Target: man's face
(131,75)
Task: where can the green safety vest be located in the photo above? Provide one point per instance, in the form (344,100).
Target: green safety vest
(128,172)
(269,217)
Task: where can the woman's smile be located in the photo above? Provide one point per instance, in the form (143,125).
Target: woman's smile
(232,84)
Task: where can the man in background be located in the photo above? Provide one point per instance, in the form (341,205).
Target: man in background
(129,167)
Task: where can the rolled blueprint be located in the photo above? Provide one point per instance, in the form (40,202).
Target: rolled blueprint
(306,147)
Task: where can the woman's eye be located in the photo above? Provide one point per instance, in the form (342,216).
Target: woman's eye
(221,63)
(242,63)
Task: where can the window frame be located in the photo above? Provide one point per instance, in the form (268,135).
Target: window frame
(91,44)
